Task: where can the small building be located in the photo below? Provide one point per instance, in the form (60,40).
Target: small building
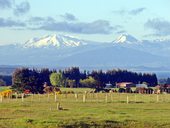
(124,85)
(141,86)
(108,85)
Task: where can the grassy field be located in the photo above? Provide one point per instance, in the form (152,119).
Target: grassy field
(4,88)
(76,90)
(99,110)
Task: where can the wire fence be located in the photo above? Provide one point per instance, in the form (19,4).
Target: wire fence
(88,97)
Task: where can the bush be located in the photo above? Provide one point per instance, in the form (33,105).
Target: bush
(121,90)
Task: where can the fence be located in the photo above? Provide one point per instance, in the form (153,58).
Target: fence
(88,97)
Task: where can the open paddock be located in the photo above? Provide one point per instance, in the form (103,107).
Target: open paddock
(119,110)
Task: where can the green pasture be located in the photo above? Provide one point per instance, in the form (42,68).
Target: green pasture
(111,110)
(76,90)
(3,88)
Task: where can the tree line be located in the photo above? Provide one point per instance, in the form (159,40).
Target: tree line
(165,81)
(5,80)
(34,79)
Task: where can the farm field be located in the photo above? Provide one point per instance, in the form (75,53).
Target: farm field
(95,110)
(4,88)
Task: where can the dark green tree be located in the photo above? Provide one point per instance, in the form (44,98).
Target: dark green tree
(2,82)
(168,81)
(20,79)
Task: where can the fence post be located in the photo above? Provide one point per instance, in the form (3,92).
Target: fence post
(55,97)
(22,97)
(127,99)
(157,98)
(76,96)
(106,98)
(58,106)
(1,99)
(11,95)
(84,98)
(16,96)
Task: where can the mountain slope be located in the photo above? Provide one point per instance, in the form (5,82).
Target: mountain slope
(117,56)
(126,38)
(60,50)
(155,47)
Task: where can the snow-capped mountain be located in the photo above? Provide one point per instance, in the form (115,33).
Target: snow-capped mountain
(60,50)
(159,47)
(126,38)
(57,41)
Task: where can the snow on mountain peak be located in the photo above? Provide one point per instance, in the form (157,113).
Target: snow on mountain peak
(53,41)
(126,38)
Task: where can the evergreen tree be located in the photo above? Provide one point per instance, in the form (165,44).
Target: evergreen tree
(2,82)
(20,79)
(168,81)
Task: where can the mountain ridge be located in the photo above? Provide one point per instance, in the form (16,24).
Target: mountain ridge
(53,41)
(126,38)
(70,51)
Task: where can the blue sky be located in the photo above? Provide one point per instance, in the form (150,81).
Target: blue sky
(99,20)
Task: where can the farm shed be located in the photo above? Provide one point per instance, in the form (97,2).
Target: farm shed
(141,86)
(124,84)
(108,85)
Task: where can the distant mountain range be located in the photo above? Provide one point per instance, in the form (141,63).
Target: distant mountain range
(57,41)
(60,50)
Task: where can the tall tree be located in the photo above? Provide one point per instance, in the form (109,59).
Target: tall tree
(89,82)
(56,79)
(2,82)
(20,79)
(73,74)
(168,81)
